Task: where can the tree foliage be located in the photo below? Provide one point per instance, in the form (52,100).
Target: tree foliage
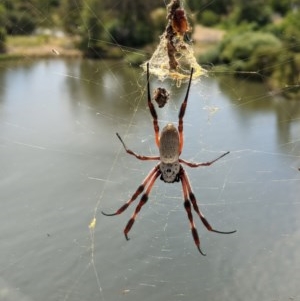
(2,28)
(72,10)
(24,16)
(220,7)
(250,51)
(290,30)
(92,29)
(252,12)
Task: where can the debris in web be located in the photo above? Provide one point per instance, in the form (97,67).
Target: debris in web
(174,56)
(161,96)
(92,224)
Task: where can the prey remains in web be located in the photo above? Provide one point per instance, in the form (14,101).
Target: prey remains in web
(169,168)
(174,56)
(161,96)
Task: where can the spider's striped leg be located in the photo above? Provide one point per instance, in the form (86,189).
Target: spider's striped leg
(182,112)
(192,197)
(187,206)
(142,202)
(194,164)
(136,194)
(152,109)
(130,152)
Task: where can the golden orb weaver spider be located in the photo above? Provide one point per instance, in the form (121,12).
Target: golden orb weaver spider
(170,170)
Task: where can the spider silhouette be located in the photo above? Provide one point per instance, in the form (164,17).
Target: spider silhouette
(169,168)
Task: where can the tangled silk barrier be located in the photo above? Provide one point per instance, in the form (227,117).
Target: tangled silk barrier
(174,56)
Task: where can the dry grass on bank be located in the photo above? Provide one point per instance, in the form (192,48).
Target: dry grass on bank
(41,46)
(48,46)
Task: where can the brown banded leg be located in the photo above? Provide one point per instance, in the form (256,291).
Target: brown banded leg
(194,164)
(142,202)
(187,206)
(136,194)
(192,197)
(182,112)
(152,109)
(140,157)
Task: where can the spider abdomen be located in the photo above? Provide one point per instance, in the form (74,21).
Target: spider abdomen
(169,144)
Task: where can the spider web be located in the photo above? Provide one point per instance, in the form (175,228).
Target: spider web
(58,246)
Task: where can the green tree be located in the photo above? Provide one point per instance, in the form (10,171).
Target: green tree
(290,30)
(92,29)
(133,26)
(220,7)
(2,28)
(250,51)
(256,11)
(281,6)
(210,12)
(71,11)
(21,17)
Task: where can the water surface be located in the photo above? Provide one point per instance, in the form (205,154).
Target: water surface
(61,164)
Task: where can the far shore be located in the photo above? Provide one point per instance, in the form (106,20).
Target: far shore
(40,46)
(46,46)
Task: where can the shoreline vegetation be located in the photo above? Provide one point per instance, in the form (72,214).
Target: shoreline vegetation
(67,46)
(256,40)
(40,46)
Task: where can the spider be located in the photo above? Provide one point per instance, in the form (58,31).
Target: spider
(179,22)
(169,168)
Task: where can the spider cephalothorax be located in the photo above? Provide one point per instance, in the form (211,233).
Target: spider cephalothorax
(170,170)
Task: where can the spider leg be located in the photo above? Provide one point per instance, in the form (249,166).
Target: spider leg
(136,194)
(130,152)
(192,164)
(182,112)
(187,206)
(142,202)
(192,197)
(152,109)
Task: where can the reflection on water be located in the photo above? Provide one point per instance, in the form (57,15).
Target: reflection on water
(259,101)
(61,162)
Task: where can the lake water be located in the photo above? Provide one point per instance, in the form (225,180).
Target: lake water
(62,164)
